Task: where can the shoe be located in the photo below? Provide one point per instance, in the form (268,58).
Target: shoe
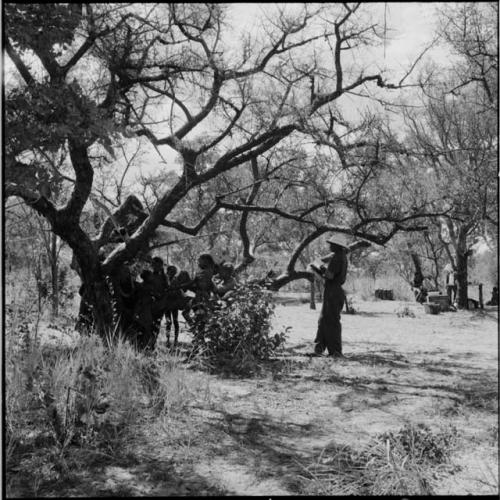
(336,355)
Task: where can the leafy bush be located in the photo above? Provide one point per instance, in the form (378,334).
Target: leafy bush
(236,333)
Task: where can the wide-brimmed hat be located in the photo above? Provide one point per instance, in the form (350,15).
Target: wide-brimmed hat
(338,239)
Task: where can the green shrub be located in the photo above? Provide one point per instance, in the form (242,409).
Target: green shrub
(236,334)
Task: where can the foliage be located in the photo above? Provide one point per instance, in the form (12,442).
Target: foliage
(44,116)
(237,333)
(44,25)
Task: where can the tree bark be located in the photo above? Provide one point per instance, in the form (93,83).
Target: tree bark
(312,303)
(462,255)
(96,310)
(54,268)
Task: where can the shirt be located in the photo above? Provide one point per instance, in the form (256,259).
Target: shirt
(337,267)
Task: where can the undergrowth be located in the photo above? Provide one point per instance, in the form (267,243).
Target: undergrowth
(71,405)
(236,336)
(393,463)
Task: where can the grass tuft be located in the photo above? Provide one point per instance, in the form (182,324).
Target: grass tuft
(393,463)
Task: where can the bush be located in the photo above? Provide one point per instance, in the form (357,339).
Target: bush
(236,334)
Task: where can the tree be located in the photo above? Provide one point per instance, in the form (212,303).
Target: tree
(167,72)
(457,135)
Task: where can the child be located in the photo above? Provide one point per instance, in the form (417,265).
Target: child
(227,281)
(203,287)
(174,302)
(143,310)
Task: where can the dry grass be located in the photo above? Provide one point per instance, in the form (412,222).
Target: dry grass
(402,463)
(70,405)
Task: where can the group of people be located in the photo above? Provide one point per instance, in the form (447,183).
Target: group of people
(140,306)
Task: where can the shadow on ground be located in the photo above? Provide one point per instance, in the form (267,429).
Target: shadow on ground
(129,475)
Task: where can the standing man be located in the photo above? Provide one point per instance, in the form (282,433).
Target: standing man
(329,335)
(451,286)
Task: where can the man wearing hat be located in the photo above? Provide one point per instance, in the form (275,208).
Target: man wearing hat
(329,335)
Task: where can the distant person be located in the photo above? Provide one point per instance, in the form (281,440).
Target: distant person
(123,289)
(451,284)
(183,281)
(204,288)
(174,299)
(203,285)
(494,297)
(329,333)
(159,285)
(143,311)
(227,281)
(418,287)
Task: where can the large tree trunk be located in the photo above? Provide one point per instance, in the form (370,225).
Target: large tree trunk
(462,255)
(96,310)
(54,268)
(312,303)
(418,276)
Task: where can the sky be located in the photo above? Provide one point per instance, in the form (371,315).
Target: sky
(410,27)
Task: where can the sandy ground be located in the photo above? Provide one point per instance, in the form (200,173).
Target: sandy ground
(434,369)
(259,436)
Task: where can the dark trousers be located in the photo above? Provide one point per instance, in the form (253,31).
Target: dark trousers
(172,316)
(329,335)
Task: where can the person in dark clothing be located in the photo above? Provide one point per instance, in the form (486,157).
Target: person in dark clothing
(159,284)
(183,281)
(174,302)
(494,297)
(123,290)
(143,311)
(329,334)
(203,287)
(226,281)
(418,287)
